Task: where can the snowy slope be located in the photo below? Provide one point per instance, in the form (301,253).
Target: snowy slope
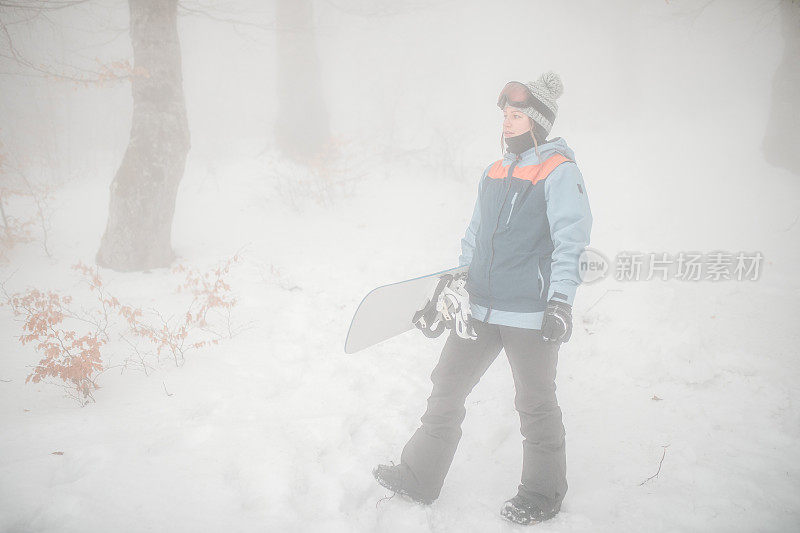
(277,429)
(665,104)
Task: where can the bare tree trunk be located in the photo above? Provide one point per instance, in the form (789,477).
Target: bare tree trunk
(144,189)
(301,129)
(783,126)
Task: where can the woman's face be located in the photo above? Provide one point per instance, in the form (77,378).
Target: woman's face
(515,122)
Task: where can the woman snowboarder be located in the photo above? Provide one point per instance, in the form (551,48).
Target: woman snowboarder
(530,224)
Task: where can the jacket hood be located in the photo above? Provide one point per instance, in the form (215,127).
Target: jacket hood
(547,149)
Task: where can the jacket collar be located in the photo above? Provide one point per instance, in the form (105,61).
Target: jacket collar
(546,149)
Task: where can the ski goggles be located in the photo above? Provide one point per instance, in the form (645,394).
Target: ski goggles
(515,94)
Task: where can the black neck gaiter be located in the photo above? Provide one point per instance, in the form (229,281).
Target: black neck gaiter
(520,143)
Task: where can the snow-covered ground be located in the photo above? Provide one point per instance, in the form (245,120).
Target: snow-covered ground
(278,430)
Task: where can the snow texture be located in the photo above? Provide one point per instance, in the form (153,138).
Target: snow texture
(278,430)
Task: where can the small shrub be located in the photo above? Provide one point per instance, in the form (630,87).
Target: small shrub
(75,360)
(72,359)
(325,178)
(32,202)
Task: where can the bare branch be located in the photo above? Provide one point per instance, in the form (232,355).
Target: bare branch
(33,9)
(40,5)
(389,8)
(663,454)
(228,20)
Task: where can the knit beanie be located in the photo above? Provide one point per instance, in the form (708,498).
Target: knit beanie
(545,90)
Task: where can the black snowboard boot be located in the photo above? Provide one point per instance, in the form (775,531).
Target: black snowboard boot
(394,477)
(521,511)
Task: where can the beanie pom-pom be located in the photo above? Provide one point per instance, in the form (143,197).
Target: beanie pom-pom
(552,81)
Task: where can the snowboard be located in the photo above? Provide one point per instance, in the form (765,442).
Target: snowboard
(389,310)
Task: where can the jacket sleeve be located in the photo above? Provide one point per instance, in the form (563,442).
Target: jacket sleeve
(570,220)
(468,241)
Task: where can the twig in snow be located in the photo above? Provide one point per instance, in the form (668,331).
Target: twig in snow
(663,454)
(601,297)
(385,498)
(165,389)
(790,226)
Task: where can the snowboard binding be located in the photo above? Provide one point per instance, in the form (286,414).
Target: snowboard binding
(447,308)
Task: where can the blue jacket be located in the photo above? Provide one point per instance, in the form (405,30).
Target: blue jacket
(530,224)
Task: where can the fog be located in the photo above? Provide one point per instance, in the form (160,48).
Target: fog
(335,146)
(396,73)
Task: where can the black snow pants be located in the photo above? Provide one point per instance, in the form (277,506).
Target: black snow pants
(429,452)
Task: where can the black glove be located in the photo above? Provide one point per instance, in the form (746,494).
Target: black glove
(557,322)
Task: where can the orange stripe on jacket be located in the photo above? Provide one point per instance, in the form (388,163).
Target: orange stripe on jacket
(498,171)
(532,173)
